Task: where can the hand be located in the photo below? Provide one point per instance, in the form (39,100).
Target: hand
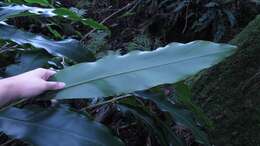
(28,84)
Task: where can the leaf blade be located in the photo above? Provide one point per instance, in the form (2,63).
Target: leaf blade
(70,48)
(164,133)
(140,70)
(54,124)
(41,2)
(28,60)
(180,116)
(11,11)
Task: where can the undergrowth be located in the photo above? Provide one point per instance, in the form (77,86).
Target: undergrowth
(113,27)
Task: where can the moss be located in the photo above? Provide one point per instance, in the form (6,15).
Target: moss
(229,92)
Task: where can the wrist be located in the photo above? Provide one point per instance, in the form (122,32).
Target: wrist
(9,89)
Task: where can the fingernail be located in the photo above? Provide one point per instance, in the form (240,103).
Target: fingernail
(61,85)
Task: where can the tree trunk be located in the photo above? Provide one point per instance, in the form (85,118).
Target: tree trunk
(229,93)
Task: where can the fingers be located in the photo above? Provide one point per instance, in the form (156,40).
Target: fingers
(49,73)
(55,85)
(45,73)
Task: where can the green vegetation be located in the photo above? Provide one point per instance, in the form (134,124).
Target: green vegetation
(127,79)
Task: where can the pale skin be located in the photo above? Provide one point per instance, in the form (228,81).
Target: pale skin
(27,85)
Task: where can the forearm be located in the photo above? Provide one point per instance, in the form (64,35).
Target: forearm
(8,92)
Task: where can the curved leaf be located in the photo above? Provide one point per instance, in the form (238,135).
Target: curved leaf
(55,127)
(164,133)
(41,2)
(70,48)
(180,116)
(137,70)
(28,60)
(23,10)
(184,96)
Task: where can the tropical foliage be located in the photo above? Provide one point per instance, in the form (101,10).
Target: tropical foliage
(135,83)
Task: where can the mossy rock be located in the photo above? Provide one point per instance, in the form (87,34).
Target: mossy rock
(229,93)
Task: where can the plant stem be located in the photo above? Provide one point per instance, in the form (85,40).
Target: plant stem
(107,102)
(12,104)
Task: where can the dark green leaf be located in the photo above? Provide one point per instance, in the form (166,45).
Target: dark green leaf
(23,10)
(163,132)
(179,115)
(55,127)
(94,24)
(54,32)
(41,2)
(28,60)
(70,48)
(67,13)
(184,96)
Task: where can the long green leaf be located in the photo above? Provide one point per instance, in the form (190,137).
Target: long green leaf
(41,2)
(70,48)
(179,115)
(164,133)
(185,97)
(23,10)
(55,127)
(28,60)
(137,70)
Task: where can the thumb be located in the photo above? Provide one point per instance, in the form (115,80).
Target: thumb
(55,85)
(48,73)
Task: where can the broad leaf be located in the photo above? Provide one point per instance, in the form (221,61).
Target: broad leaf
(27,61)
(137,70)
(41,2)
(55,127)
(184,96)
(179,115)
(66,13)
(161,130)
(70,48)
(23,10)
